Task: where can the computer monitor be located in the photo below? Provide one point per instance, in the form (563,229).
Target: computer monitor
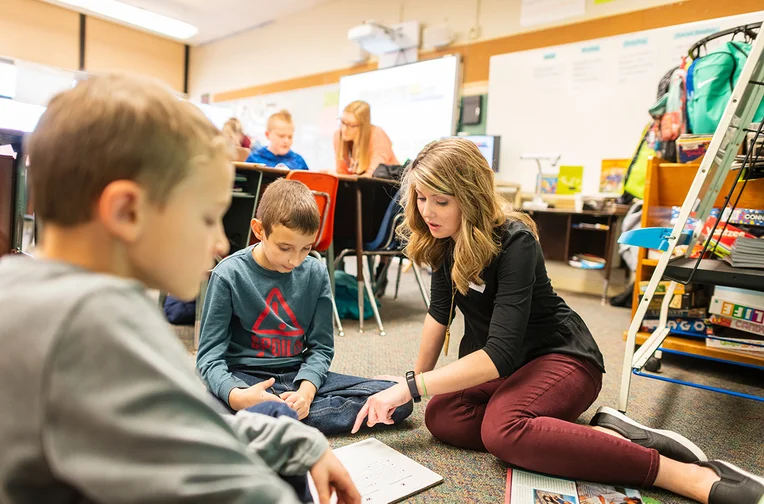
(489,146)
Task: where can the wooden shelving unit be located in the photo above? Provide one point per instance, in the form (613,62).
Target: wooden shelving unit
(667,185)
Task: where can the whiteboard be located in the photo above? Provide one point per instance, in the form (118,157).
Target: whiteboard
(587,101)
(414,104)
(314,113)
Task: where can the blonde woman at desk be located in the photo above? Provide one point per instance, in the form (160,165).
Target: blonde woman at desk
(359,146)
(528,365)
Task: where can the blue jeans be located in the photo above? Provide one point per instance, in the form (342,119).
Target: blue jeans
(300,482)
(337,402)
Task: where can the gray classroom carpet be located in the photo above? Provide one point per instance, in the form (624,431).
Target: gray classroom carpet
(725,427)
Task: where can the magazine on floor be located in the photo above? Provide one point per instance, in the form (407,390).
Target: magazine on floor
(382,474)
(525,487)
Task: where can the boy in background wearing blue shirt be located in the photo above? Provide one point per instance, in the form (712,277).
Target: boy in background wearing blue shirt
(267,321)
(280,133)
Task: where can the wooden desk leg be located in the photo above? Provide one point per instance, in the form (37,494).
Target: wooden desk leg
(609,246)
(359,252)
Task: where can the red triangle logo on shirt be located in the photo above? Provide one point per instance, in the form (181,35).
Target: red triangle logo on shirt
(274,324)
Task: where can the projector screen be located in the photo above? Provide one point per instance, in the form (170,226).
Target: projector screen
(415,103)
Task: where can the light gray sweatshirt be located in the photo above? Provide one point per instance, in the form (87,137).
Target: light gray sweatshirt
(100,403)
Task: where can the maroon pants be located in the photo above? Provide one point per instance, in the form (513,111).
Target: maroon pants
(527,420)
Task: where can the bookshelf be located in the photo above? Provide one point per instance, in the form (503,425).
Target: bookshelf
(667,185)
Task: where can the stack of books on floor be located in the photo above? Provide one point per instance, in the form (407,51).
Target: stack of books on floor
(587,261)
(525,487)
(687,309)
(737,320)
(746,253)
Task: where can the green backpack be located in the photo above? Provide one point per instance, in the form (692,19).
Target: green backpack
(710,81)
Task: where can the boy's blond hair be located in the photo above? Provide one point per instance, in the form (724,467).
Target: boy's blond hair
(291,204)
(109,128)
(281,115)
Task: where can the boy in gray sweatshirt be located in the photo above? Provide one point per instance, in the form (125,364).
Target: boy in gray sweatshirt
(267,322)
(100,400)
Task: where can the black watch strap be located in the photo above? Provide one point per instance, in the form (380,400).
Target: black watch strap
(411,381)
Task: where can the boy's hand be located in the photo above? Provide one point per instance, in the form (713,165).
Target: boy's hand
(240,399)
(329,475)
(301,399)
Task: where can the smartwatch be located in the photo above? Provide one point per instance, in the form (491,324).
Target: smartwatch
(411,381)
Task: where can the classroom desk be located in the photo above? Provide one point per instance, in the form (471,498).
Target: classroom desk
(12,193)
(560,239)
(365,197)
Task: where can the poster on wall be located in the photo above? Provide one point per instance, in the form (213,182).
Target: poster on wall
(536,12)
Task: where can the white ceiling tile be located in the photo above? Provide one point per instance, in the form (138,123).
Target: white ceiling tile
(218,19)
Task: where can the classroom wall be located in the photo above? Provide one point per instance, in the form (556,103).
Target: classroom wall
(315,40)
(110,47)
(43,33)
(35,31)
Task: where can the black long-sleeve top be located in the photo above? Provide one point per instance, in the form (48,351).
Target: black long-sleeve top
(518,316)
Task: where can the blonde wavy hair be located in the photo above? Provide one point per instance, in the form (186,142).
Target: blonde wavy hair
(361,149)
(455,167)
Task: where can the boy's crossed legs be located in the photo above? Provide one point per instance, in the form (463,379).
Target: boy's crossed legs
(336,403)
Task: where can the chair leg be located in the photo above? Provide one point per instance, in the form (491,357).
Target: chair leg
(398,279)
(340,330)
(372,299)
(418,275)
(330,265)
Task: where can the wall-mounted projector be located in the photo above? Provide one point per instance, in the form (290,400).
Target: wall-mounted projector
(376,38)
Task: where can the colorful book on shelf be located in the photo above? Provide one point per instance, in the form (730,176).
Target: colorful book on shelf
(694,313)
(732,339)
(590,225)
(726,337)
(687,326)
(722,242)
(679,301)
(525,487)
(612,175)
(736,311)
(663,286)
(737,295)
(570,179)
(740,325)
(587,261)
(742,216)
(746,253)
(548,183)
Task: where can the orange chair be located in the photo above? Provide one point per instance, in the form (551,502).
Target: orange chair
(324,188)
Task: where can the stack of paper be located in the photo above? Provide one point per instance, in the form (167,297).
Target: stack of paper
(381,474)
(747,253)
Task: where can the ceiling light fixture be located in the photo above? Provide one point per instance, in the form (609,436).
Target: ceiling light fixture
(137,17)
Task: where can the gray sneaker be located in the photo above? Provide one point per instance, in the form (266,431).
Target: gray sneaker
(736,486)
(667,443)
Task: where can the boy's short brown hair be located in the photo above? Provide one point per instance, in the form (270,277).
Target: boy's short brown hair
(281,115)
(109,128)
(291,204)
